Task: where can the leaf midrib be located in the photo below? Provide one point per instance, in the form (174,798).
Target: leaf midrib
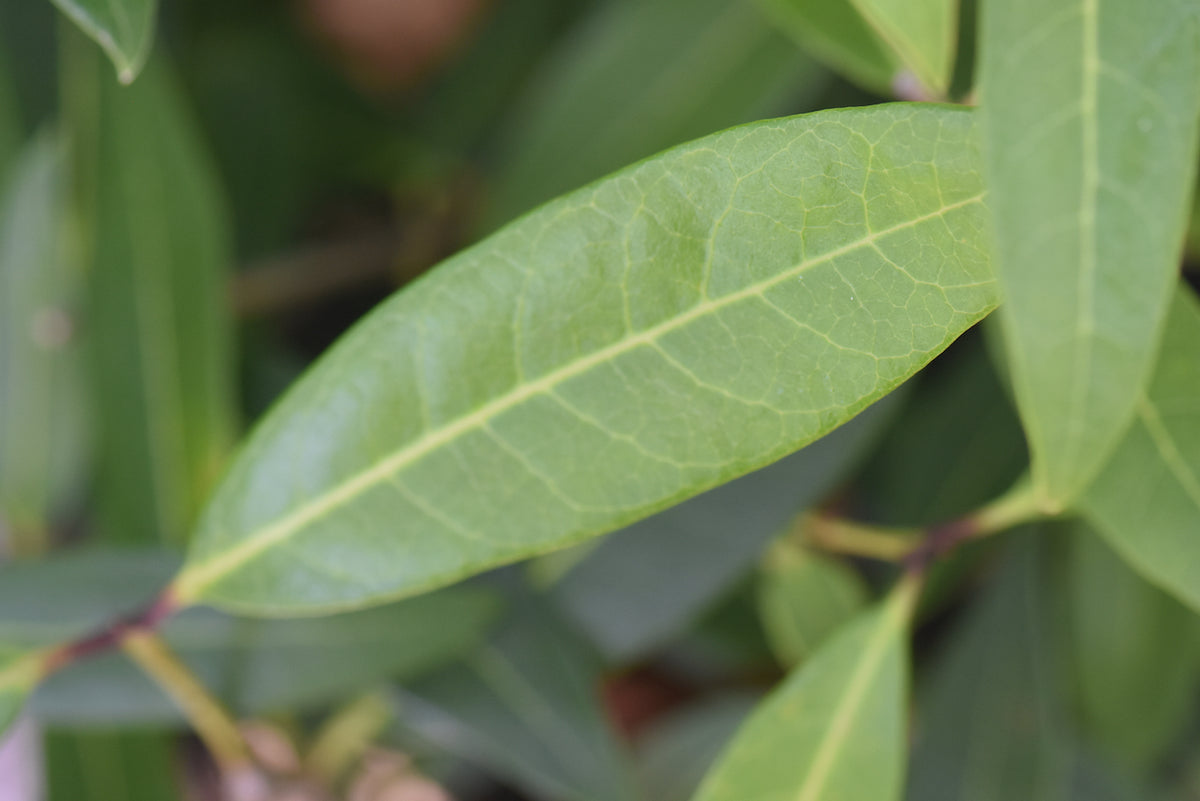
(191,582)
(1172,457)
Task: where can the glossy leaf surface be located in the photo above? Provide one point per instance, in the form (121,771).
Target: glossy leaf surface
(43,415)
(609,355)
(922,34)
(162,357)
(836,33)
(123,28)
(1089,113)
(834,730)
(1147,500)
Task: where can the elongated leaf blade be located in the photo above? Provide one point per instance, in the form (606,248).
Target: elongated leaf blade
(690,319)
(103,765)
(11,132)
(43,414)
(159,318)
(123,28)
(1146,503)
(834,31)
(1089,117)
(835,728)
(922,34)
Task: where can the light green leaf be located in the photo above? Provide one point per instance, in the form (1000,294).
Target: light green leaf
(526,705)
(834,731)
(1089,116)
(1136,654)
(836,33)
(922,33)
(43,432)
(109,765)
(159,319)
(646,583)
(255,666)
(19,672)
(641,76)
(803,597)
(1146,503)
(123,28)
(690,319)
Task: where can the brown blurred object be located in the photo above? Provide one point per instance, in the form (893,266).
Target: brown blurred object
(388,776)
(390,45)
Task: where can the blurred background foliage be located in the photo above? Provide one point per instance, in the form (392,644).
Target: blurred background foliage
(174,252)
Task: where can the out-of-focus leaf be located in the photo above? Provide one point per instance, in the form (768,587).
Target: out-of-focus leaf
(922,33)
(527,706)
(626,321)
(836,33)
(644,584)
(834,731)
(1089,116)
(1147,501)
(990,714)
(641,76)
(253,665)
(803,597)
(1136,655)
(111,765)
(676,752)
(123,28)
(159,322)
(19,672)
(11,130)
(42,400)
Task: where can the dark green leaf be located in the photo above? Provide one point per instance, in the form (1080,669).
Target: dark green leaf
(111,765)
(527,706)
(123,28)
(834,731)
(1090,120)
(1136,655)
(11,131)
(835,32)
(607,356)
(643,584)
(43,435)
(641,76)
(1147,500)
(162,353)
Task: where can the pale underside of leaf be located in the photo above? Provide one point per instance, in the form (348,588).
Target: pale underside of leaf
(921,32)
(684,322)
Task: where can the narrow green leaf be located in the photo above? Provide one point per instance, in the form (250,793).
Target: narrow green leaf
(19,673)
(11,130)
(835,729)
(834,31)
(1146,503)
(641,76)
(109,765)
(526,705)
(690,319)
(1136,654)
(922,33)
(123,28)
(162,353)
(803,597)
(1090,121)
(43,431)
(255,666)
(646,583)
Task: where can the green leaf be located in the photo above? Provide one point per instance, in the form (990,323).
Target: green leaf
(123,28)
(922,33)
(1146,503)
(803,597)
(646,583)
(19,673)
(11,130)
(641,76)
(1136,654)
(526,705)
(106,765)
(43,415)
(162,355)
(1089,116)
(253,665)
(609,355)
(835,728)
(836,33)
